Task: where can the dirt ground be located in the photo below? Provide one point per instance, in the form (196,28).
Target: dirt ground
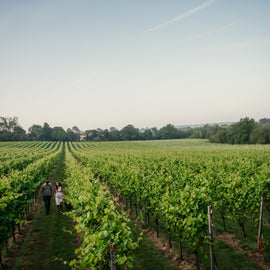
(188,262)
(10,254)
(232,241)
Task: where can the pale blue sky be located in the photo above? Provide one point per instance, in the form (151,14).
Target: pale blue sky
(98,64)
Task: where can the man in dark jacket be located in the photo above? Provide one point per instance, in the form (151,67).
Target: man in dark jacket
(46,194)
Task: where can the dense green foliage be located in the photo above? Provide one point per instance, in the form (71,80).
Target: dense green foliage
(97,219)
(175,185)
(11,131)
(18,186)
(16,159)
(171,180)
(246,131)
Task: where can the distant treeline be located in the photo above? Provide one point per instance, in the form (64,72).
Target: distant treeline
(10,130)
(246,131)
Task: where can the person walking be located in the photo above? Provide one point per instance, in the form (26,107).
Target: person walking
(59,196)
(46,193)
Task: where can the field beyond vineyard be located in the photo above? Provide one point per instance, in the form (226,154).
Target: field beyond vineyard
(166,185)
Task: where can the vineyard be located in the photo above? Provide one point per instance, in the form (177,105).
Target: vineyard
(167,186)
(24,167)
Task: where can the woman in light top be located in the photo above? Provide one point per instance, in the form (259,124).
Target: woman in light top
(58,195)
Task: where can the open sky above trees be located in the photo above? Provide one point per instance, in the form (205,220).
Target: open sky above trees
(101,64)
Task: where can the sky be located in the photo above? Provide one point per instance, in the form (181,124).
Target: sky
(111,63)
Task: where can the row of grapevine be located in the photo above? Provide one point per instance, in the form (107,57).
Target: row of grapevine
(9,151)
(176,186)
(26,144)
(97,219)
(18,188)
(18,159)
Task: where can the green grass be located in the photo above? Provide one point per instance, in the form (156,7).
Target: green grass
(147,256)
(226,256)
(229,258)
(251,229)
(50,243)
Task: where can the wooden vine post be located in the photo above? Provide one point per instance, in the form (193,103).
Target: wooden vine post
(210,231)
(112,257)
(260,225)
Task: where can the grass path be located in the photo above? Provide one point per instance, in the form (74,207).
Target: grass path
(50,242)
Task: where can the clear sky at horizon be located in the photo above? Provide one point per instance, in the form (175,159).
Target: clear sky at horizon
(101,64)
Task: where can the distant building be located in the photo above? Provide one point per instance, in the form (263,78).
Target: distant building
(82,137)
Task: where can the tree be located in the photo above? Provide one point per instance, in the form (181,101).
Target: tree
(130,133)
(186,133)
(245,131)
(73,136)
(91,134)
(261,135)
(115,134)
(46,132)
(106,135)
(10,129)
(221,136)
(154,131)
(113,129)
(168,132)
(19,134)
(59,134)
(147,134)
(264,121)
(35,132)
(7,124)
(241,131)
(76,129)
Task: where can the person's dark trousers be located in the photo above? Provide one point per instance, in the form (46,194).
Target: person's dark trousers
(47,201)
